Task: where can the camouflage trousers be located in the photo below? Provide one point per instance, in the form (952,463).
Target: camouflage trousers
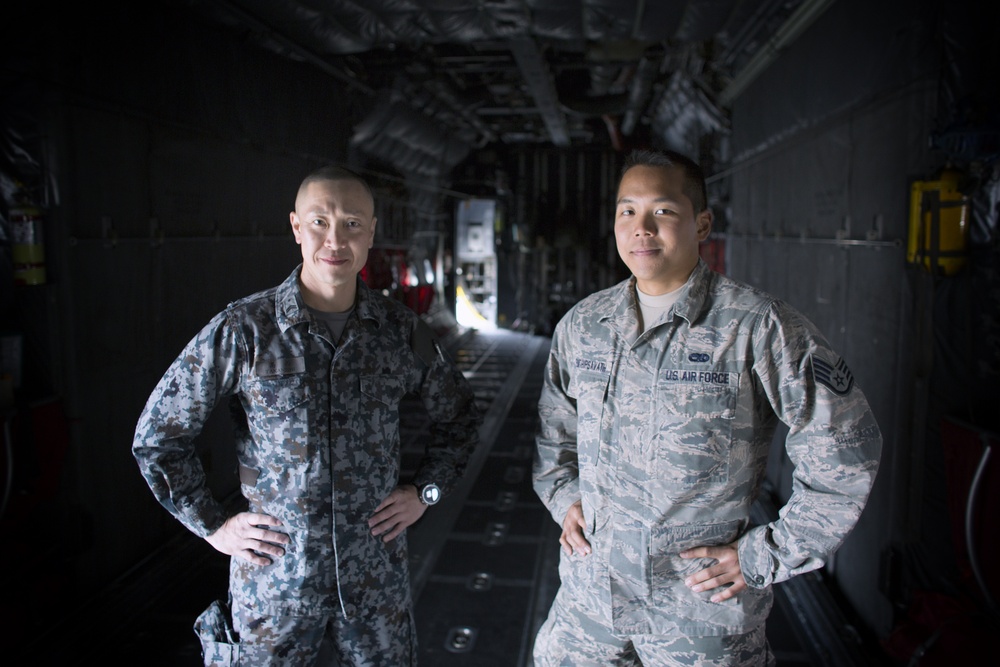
(570,637)
(251,640)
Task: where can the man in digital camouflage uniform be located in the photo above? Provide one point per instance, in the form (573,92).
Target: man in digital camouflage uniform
(660,399)
(318,365)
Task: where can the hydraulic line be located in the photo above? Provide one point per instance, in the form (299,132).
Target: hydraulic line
(970,508)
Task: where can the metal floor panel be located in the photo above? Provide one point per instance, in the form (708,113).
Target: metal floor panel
(492,620)
(479,604)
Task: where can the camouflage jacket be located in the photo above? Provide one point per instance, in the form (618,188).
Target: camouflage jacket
(665,438)
(318,444)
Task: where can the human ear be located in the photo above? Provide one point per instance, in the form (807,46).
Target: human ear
(704,224)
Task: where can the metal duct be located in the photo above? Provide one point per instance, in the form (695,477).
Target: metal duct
(638,94)
(796,24)
(539,81)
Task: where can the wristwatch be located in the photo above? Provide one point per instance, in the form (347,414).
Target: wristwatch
(429,494)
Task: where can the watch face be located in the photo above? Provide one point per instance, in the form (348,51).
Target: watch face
(430,494)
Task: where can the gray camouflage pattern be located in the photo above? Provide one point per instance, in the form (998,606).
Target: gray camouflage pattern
(665,438)
(573,637)
(319,424)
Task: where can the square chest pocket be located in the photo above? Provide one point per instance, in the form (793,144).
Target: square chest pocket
(589,386)
(590,389)
(387,390)
(693,436)
(278,395)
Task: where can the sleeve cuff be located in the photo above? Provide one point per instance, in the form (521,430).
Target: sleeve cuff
(756,560)
(563,499)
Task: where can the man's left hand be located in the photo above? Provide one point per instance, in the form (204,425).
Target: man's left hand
(397,513)
(725,571)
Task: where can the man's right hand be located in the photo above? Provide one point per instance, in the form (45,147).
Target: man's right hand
(572,539)
(242,535)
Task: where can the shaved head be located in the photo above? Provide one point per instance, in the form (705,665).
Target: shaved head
(334,173)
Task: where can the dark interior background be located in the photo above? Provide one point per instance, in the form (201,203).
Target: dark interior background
(159,146)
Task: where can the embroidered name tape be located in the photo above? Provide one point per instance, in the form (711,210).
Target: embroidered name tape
(276,367)
(698,377)
(591,365)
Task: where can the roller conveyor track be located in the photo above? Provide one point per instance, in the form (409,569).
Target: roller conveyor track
(484,560)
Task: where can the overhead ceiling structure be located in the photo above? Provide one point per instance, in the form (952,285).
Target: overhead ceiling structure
(451,76)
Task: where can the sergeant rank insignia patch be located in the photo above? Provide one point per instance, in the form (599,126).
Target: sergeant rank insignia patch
(837,379)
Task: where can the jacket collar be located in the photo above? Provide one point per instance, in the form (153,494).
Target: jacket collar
(290,309)
(694,297)
(622,311)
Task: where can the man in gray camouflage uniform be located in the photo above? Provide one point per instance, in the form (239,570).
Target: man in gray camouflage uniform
(660,400)
(317,367)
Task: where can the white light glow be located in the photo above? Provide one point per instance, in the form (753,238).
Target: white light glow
(467,314)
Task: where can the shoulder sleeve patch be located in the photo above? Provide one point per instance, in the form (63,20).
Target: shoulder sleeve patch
(424,344)
(835,377)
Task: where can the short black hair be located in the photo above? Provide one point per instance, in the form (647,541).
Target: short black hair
(335,172)
(694,177)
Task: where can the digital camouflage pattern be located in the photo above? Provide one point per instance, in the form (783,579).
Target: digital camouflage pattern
(289,640)
(318,442)
(665,438)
